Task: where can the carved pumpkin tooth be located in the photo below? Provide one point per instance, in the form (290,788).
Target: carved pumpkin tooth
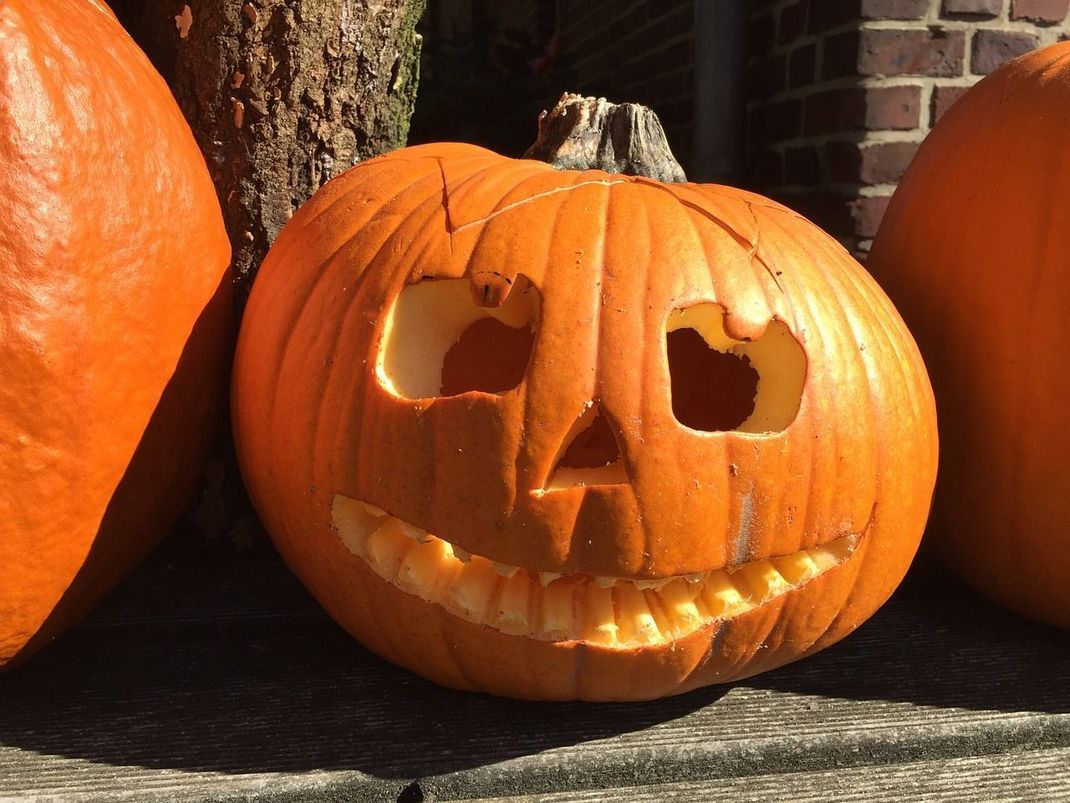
(635,622)
(372,510)
(472,590)
(601,616)
(759,580)
(678,600)
(557,615)
(512,609)
(413,532)
(386,548)
(463,555)
(797,568)
(721,596)
(696,578)
(505,570)
(545,578)
(604,582)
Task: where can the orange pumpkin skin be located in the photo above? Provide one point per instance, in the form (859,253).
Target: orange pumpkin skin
(114,313)
(611,257)
(974,251)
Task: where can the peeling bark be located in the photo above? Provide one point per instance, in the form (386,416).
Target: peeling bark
(283,95)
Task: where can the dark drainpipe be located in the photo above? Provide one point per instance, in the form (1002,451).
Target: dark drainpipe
(720,92)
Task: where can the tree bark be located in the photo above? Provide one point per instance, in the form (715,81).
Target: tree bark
(282,95)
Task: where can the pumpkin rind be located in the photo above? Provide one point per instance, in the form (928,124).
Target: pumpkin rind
(611,257)
(974,251)
(114,312)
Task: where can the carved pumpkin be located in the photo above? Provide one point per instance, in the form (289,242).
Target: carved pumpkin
(557,434)
(114,325)
(974,248)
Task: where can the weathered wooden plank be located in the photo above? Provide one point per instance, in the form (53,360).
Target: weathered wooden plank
(1029,777)
(227,682)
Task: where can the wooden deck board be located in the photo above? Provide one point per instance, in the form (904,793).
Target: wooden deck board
(222,680)
(1029,777)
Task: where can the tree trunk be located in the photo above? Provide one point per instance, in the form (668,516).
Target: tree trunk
(282,95)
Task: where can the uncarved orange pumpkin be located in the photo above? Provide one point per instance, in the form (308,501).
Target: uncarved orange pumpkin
(560,435)
(974,250)
(113,312)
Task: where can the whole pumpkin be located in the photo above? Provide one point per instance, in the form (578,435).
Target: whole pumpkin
(565,434)
(113,312)
(974,251)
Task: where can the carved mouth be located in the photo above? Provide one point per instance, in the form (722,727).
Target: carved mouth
(610,611)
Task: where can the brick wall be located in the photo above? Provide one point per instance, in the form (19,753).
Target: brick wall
(634,50)
(843,91)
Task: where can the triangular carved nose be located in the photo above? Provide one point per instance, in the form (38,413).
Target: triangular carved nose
(589,455)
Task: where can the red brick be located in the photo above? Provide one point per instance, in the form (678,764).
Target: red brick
(843,162)
(1040,11)
(769,169)
(993,48)
(885,162)
(878,163)
(828,210)
(893,107)
(912,52)
(971,8)
(802,66)
(840,57)
(866,214)
(682,21)
(624,24)
(801,166)
(768,77)
(828,14)
(943,98)
(872,109)
(792,23)
(894,9)
(834,111)
(777,122)
(761,34)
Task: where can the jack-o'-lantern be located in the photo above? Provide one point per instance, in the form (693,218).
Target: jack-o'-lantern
(565,434)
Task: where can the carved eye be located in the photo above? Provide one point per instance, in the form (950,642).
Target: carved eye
(719,384)
(437,341)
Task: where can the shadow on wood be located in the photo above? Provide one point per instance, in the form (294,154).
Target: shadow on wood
(227,665)
(939,644)
(202,668)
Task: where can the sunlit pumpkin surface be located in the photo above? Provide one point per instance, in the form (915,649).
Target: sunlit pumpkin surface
(114,313)
(566,435)
(975,247)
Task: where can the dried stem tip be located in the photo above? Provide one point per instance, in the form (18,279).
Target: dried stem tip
(591,133)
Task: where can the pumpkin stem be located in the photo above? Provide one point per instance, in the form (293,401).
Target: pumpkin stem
(591,133)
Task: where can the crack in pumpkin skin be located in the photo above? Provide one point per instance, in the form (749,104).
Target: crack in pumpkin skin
(614,612)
